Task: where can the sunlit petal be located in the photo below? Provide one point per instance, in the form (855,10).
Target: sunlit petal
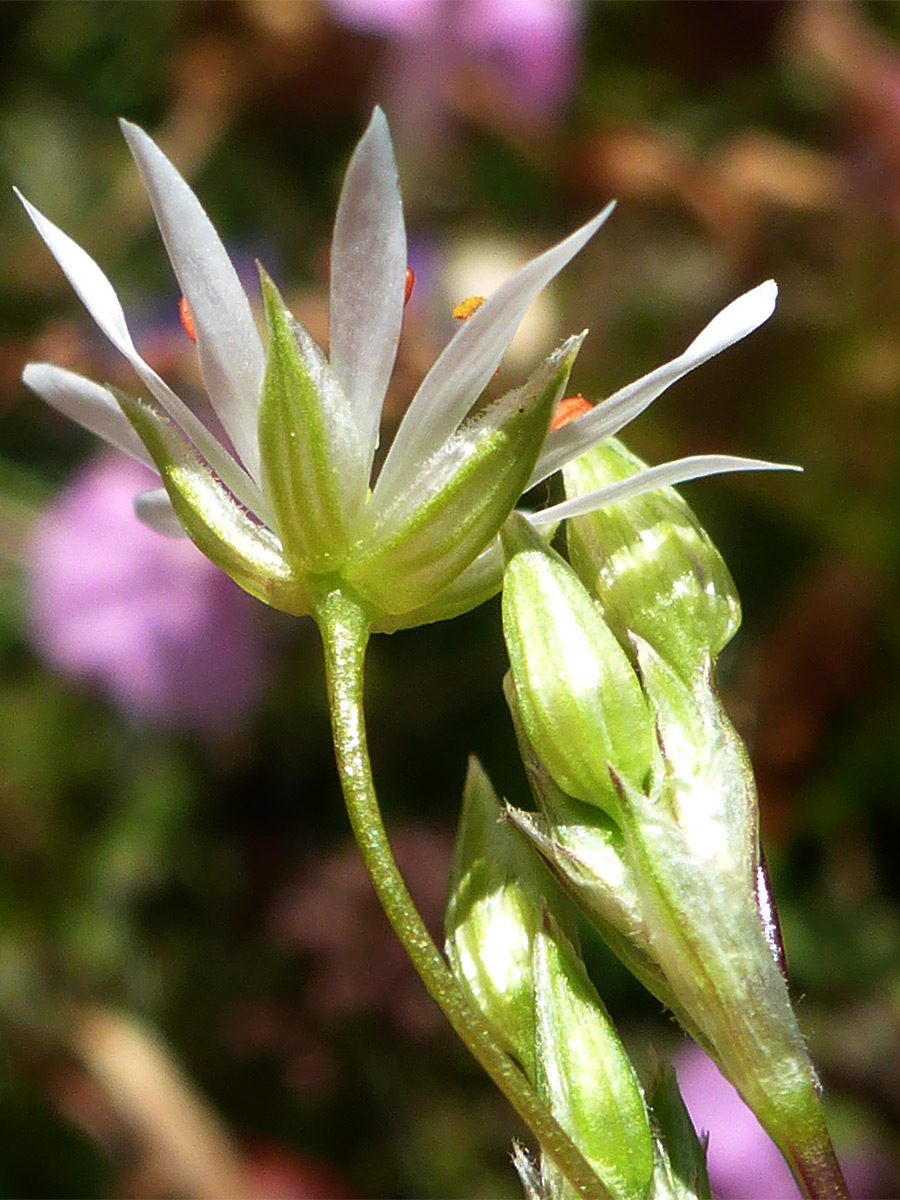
(467,363)
(734,322)
(99,298)
(88,403)
(228,343)
(368,277)
(665,475)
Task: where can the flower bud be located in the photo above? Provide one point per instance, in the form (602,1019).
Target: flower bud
(499,892)
(651,564)
(585,1075)
(580,700)
(671,881)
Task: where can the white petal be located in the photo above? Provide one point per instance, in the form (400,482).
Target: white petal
(665,475)
(232,360)
(734,322)
(154,509)
(368,273)
(467,363)
(89,404)
(99,297)
(93,288)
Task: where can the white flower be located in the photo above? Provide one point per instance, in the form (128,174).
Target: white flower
(291,503)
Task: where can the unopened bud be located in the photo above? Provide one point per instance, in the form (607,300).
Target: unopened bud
(585,1075)
(651,564)
(499,891)
(579,697)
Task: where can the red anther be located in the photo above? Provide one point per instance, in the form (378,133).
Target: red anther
(186,319)
(568,410)
(410,284)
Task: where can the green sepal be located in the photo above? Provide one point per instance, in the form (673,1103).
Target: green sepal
(499,889)
(210,515)
(583,850)
(584,1074)
(587,854)
(693,849)
(704,781)
(480,581)
(312,469)
(651,564)
(680,1171)
(579,697)
(458,501)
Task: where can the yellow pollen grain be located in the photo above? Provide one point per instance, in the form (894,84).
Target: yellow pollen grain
(466,308)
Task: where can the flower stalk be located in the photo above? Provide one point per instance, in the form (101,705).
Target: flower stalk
(344,628)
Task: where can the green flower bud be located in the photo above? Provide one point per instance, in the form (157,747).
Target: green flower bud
(651,564)
(587,853)
(579,697)
(499,892)
(671,881)
(585,1075)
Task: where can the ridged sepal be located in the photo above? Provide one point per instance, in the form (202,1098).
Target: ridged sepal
(211,517)
(312,462)
(454,507)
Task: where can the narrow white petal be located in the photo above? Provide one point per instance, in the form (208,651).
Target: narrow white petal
(368,273)
(154,509)
(232,360)
(665,475)
(99,298)
(93,288)
(462,371)
(734,322)
(89,404)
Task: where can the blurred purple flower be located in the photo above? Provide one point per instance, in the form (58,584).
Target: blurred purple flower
(744,1163)
(148,619)
(743,1160)
(531,44)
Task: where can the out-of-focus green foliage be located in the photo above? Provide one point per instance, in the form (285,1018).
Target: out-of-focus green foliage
(203,884)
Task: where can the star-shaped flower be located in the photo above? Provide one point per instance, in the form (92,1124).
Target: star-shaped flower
(287,503)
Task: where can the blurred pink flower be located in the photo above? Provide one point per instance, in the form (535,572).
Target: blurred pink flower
(165,634)
(744,1163)
(531,44)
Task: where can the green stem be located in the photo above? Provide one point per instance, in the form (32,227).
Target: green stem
(344,629)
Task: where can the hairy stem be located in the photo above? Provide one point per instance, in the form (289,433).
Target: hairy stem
(344,631)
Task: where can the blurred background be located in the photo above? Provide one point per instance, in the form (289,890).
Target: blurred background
(198,996)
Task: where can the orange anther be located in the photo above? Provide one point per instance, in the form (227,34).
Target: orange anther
(568,410)
(410,284)
(186,319)
(465,308)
